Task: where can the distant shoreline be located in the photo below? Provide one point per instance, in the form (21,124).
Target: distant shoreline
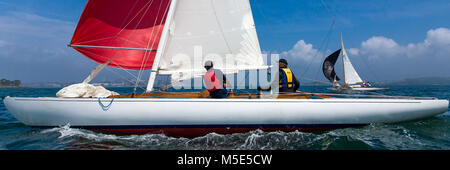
(10,87)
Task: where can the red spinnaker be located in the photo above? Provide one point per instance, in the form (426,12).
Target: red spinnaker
(125,27)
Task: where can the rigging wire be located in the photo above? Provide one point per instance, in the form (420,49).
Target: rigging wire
(137,14)
(123,77)
(267,23)
(147,57)
(126,39)
(146,54)
(323,46)
(119,67)
(327,9)
(115,64)
(123,27)
(334,14)
(328,37)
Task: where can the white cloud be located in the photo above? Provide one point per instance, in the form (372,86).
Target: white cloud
(353,51)
(440,36)
(392,60)
(303,51)
(380,47)
(436,45)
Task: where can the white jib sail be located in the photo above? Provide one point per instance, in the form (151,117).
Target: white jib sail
(219,30)
(350,74)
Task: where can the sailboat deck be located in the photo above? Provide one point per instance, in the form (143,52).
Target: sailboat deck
(231,95)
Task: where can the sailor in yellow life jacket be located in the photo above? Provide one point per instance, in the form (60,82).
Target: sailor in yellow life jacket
(287,81)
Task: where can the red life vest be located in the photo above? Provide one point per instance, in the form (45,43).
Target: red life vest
(211,81)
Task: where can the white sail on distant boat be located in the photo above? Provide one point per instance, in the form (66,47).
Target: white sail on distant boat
(352,80)
(148,34)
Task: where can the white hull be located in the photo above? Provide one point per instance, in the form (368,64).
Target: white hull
(51,112)
(368,89)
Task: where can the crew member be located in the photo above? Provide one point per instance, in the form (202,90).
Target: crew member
(215,81)
(287,81)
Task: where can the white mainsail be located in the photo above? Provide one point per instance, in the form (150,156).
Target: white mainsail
(350,74)
(219,30)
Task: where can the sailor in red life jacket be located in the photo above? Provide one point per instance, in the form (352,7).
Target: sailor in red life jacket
(215,81)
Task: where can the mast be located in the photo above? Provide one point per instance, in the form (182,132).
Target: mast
(162,44)
(342,53)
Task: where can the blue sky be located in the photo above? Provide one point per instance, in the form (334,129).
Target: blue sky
(386,39)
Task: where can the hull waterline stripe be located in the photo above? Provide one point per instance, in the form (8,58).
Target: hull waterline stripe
(192,131)
(212,126)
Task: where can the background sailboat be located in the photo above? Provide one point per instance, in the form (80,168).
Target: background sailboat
(352,80)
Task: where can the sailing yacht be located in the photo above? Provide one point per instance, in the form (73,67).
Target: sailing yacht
(352,80)
(164,36)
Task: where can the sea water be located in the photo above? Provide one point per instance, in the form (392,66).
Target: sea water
(427,134)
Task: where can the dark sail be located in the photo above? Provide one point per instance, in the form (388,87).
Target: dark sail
(328,66)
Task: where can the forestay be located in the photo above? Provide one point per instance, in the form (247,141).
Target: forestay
(219,30)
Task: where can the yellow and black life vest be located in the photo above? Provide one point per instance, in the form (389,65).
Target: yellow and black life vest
(286,81)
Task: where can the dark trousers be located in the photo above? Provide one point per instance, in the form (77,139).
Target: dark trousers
(219,94)
(286,90)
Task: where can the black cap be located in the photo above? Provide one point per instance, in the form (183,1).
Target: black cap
(208,63)
(283,61)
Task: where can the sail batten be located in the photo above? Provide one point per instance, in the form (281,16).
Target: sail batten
(126,32)
(116,48)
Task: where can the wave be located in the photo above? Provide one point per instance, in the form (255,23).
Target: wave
(254,140)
